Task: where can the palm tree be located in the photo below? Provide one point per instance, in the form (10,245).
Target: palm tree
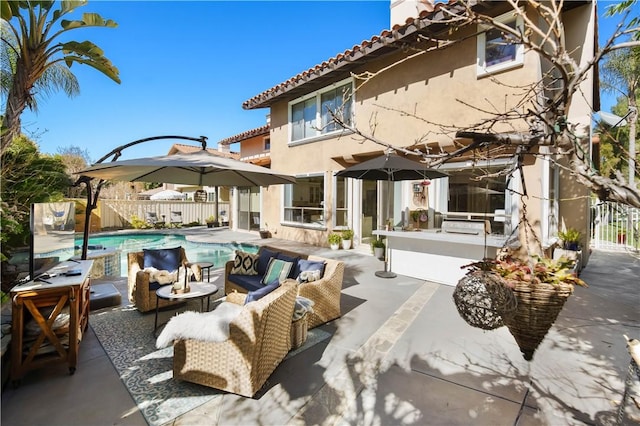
(621,74)
(36,60)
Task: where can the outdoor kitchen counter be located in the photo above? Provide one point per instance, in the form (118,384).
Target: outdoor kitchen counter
(437,256)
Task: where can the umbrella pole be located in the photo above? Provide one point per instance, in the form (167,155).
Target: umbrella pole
(386,273)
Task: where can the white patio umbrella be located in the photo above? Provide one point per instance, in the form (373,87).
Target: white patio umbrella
(168,194)
(199,168)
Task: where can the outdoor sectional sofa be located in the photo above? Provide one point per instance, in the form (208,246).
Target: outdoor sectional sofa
(324,292)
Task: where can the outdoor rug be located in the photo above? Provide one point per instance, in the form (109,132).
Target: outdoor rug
(147,372)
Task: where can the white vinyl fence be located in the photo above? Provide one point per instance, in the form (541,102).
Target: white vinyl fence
(118,213)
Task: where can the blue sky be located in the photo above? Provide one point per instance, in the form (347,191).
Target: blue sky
(186,68)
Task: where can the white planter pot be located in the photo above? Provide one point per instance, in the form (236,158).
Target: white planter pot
(378,252)
(346,244)
(334,246)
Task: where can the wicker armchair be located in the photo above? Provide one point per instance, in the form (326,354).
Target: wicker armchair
(138,282)
(325,292)
(259,339)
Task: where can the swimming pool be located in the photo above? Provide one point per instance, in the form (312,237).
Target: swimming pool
(218,253)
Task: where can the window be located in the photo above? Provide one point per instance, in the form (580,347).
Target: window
(496,50)
(470,198)
(267,144)
(340,202)
(311,117)
(304,201)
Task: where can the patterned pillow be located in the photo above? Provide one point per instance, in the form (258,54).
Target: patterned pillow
(245,263)
(277,270)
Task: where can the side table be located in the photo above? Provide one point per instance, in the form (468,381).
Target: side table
(199,290)
(203,266)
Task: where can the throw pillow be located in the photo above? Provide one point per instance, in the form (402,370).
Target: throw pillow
(310,265)
(252,296)
(245,263)
(265,257)
(162,259)
(293,260)
(277,270)
(309,276)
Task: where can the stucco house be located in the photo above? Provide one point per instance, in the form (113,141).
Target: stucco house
(305,142)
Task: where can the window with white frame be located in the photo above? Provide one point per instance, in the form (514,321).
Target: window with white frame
(341,217)
(497,50)
(304,201)
(550,206)
(470,196)
(312,116)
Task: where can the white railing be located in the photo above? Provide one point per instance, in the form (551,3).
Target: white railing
(615,226)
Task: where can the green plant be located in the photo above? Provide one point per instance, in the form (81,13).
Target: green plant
(138,223)
(210,219)
(570,236)
(541,270)
(377,244)
(334,238)
(415,215)
(347,234)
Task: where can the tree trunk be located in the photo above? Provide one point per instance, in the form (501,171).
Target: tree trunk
(16,103)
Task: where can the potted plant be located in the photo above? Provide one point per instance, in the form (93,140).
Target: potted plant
(334,240)
(570,239)
(415,216)
(541,287)
(211,222)
(377,247)
(347,239)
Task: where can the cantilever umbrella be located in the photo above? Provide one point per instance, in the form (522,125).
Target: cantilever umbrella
(199,168)
(390,167)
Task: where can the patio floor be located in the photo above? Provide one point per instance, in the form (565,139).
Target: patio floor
(400,354)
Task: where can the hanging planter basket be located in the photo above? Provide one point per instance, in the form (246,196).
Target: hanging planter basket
(483,300)
(538,307)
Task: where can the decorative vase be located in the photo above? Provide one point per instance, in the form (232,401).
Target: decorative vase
(346,244)
(334,246)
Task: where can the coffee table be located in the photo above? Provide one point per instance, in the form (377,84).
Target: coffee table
(199,290)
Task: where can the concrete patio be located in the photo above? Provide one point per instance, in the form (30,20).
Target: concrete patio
(400,354)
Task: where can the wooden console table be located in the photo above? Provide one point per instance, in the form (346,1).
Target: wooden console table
(44,301)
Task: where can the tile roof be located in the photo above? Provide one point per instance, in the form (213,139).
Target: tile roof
(339,66)
(262,130)
(179,148)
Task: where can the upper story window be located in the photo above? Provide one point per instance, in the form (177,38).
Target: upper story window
(312,116)
(496,49)
(267,144)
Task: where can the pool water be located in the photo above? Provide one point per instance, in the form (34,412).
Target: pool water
(217,253)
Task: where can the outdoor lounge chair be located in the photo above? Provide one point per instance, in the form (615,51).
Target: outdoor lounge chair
(142,292)
(176,219)
(152,219)
(259,339)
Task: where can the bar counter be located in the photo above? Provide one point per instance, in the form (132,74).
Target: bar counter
(437,256)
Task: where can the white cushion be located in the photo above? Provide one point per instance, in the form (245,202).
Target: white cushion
(209,326)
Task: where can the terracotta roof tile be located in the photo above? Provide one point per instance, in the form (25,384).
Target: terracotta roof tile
(384,39)
(262,130)
(180,148)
